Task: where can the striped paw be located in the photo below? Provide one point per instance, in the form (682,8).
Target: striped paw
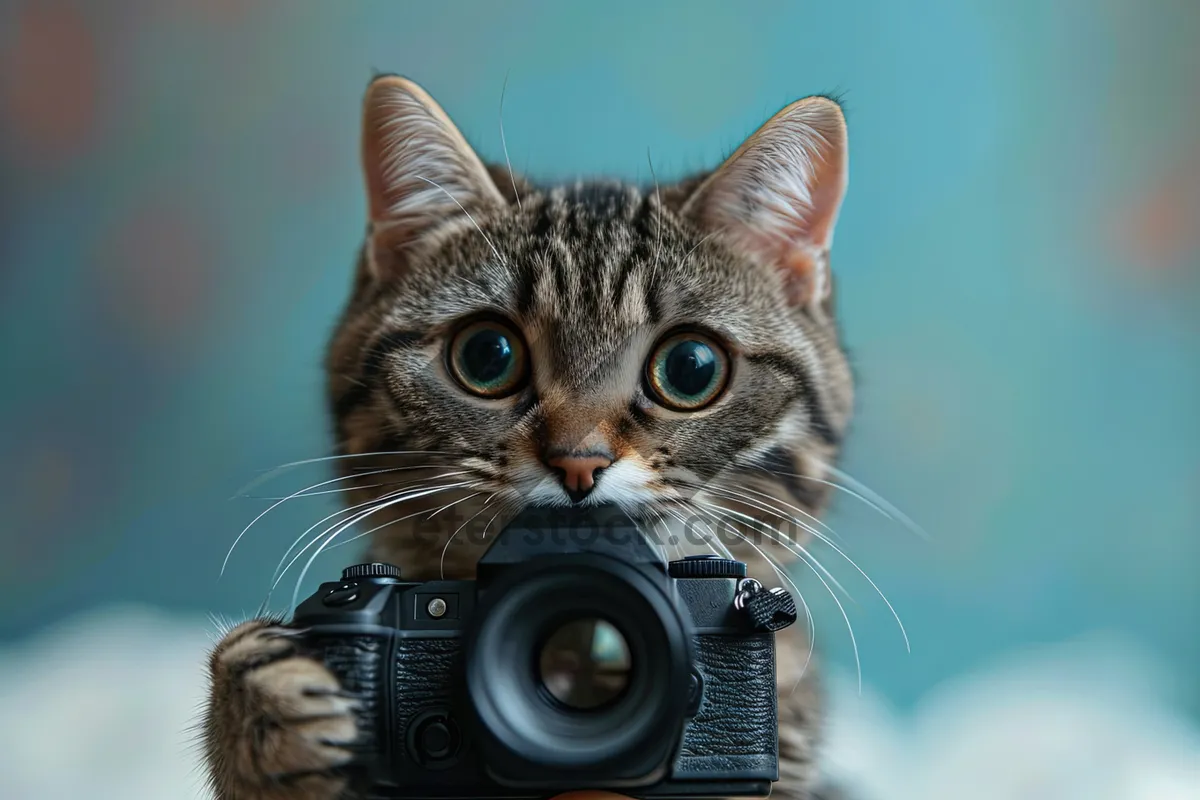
(278,723)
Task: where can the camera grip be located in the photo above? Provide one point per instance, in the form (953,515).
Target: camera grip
(361,665)
(734,732)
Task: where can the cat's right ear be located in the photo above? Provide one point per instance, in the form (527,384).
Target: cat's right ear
(778,196)
(420,172)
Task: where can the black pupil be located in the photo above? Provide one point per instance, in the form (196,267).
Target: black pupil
(690,367)
(487,355)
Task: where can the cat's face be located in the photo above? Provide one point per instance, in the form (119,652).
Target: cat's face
(672,352)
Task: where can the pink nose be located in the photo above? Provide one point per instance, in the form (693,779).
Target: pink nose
(578,473)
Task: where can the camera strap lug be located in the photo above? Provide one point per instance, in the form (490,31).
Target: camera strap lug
(769,609)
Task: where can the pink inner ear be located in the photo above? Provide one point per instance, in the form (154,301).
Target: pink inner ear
(802,278)
(778,197)
(827,187)
(418,168)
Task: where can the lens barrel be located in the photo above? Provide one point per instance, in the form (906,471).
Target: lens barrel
(535,736)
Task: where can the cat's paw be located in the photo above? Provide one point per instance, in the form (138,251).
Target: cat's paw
(278,723)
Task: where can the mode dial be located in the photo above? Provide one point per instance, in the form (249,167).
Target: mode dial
(375,570)
(708,566)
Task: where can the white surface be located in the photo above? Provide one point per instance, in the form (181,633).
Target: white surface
(100,707)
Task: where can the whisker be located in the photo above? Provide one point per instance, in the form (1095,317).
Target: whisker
(283,467)
(658,199)
(808,613)
(864,494)
(493,519)
(278,503)
(311,494)
(800,552)
(712,541)
(683,521)
(879,499)
(504,145)
(812,642)
(703,239)
(405,487)
(651,536)
(815,520)
(358,518)
(451,505)
(435,184)
(442,563)
(358,473)
(812,625)
(375,503)
(840,552)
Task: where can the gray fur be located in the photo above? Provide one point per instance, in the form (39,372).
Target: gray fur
(592,274)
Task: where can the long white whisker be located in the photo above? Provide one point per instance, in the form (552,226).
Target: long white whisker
(684,522)
(357,536)
(451,505)
(458,529)
(312,494)
(351,518)
(713,540)
(353,488)
(278,503)
(282,467)
(435,184)
(703,239)
(840,552)
(431,516)
(800,552)
(407,486)
(807,515)
(864,494)
(651,536)
(812,641)
(504,145)
(361,516)
(493,519)
(784,577)
(658,199)
(882,501)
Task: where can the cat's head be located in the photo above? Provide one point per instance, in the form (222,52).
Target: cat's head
(673,351)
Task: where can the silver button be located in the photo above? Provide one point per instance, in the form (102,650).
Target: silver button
(436,607)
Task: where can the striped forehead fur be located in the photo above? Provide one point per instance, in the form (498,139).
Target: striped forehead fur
(591,274)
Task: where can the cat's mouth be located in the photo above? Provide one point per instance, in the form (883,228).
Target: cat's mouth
(621,483)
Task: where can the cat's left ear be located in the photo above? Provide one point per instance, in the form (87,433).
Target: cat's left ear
(778,196)
(420,171)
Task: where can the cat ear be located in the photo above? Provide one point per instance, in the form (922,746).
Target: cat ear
(778,196)
(419,170)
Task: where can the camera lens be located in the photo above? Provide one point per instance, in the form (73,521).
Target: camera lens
(576,671)
(585,664)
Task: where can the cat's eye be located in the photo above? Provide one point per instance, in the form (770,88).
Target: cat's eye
(687,371)
(488,358)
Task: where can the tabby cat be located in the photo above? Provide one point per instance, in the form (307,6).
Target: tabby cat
(670,349)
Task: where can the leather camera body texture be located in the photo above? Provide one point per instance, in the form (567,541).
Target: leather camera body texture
(399,646)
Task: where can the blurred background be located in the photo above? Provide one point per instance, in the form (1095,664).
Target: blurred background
(1019,265)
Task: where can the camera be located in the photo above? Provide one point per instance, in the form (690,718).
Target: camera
(578,658)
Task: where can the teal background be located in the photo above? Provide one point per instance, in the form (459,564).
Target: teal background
(1019,264)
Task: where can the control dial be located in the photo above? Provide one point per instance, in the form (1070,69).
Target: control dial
(708,566)
(375,570)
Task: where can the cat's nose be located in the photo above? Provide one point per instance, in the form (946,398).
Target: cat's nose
(578,472)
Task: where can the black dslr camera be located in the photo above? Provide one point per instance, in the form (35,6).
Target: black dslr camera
(578,659)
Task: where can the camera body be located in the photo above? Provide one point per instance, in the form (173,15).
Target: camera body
(578,658)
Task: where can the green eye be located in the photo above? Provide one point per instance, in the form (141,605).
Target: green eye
(687,371)
(488,359)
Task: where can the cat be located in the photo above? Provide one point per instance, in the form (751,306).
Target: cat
(672,349)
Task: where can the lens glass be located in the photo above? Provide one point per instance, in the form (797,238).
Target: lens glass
(585,664)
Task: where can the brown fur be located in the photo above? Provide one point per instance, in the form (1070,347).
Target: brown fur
(592,275)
